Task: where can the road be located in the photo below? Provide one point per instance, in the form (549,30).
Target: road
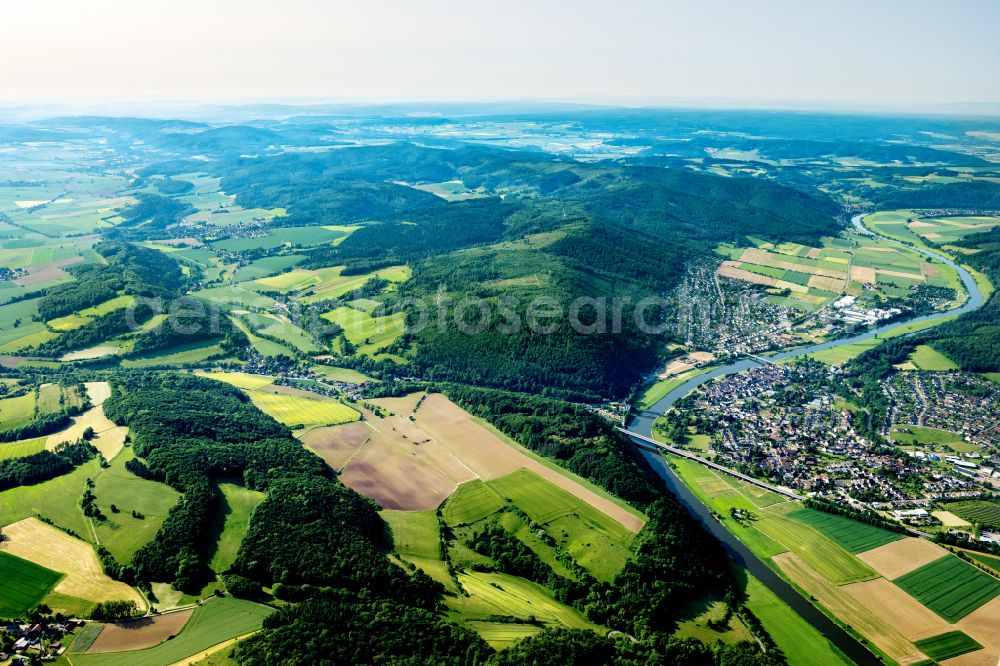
(640,429)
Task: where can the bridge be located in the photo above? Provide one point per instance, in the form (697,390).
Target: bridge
(647,441)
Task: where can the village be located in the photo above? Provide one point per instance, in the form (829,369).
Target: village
(31,642)
(799,426)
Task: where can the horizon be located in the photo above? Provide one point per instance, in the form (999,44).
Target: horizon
(773,54)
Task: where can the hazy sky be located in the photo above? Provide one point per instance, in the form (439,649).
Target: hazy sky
(638,51)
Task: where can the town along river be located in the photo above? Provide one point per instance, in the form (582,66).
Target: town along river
(642,424)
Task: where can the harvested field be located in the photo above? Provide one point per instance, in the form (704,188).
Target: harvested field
(899,609)
(403,406)
(835,285)
(983,624)
(108,438)
(33,540)
(863,274)
(948,519)
(909,276)
(140,634)
(336,445)
(901,557)
(400,474)
(849,610)
(487,454)
(98,392)
(764,258)
(746,276)
(813,253)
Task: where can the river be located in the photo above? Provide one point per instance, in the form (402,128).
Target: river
(642,424)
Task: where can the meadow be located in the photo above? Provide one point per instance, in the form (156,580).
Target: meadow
(266,267)
(926,357)
(23,584)
(180,356)
(271,325)
(213,622)
(657,391)
(296,236)
(950,587)
(238,503)
(324,283)
(16,412)
(368,334)
(416,538)
(22,448)
(922,435)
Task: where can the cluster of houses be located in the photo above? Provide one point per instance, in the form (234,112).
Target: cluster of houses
(728,316)
(959,402)
(38,639)
(785,423)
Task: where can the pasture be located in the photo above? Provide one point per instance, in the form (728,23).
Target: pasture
(213,622)
(325,283)
(947,645)
(657,391)
(334,374)
(950,587)
(279,327)
(21,448)
(926,357)
(23,584)
(194,353)
(471,502)
(122,533)
(238,503)
(278,236)
(416,538)
(502,635)
(797,639)
(16,412)
(367,333)
(923,435)
(266,267)
(855,536)
(517,597)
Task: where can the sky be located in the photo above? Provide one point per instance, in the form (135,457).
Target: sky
(899,53)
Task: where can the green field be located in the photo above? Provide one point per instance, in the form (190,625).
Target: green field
(23,584)
(266,266)
(16,412)
(821,553)
(184,355)
(721,496)
(946,646)
(976,511)
(416,538)
(472,501)
(797,639)
(367,333)
(241,380)
(520,598)
(237,507)
(22,448)
(214,622)
(653,394)
(276,327)
(334,374)
(950,587)
(926,357)
(293,410)
(844,353)
(594,541)
(325,283)
(854,536)
(914,434)
(301,236)
(121,533)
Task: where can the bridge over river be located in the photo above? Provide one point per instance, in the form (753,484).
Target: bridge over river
(640,430)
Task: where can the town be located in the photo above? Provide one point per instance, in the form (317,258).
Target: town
(799,425)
